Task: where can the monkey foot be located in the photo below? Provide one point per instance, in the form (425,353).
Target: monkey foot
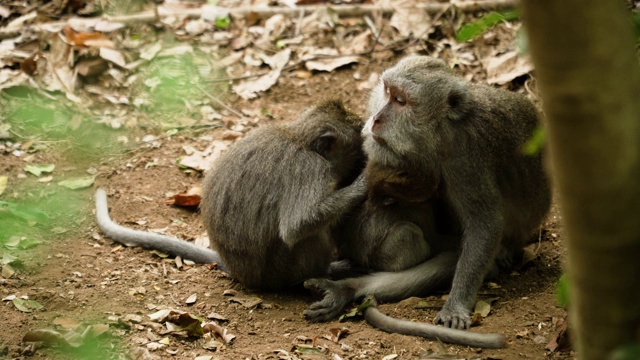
(335,296)
(457,318)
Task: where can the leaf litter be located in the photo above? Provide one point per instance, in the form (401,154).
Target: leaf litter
(100,55)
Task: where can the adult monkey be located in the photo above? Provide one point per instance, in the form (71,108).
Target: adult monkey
(271,201)
(469,137)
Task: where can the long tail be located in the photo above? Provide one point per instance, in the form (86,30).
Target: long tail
(151,240)
(433,332)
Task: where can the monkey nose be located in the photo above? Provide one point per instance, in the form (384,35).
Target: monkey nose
(376,126)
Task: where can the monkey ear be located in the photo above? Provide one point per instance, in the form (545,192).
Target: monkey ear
(325,144)
(459,101)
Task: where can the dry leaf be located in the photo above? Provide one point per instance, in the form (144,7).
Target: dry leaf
(189,198)
(331,64)
(218,330)
(113,56)
(249,89)
(93,39)
(506,67)
(408,19)
(248,302)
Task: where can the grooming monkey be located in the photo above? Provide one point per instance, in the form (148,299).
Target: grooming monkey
(470,138)
(271,201)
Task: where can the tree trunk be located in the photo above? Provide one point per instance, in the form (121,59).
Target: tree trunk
(589,79)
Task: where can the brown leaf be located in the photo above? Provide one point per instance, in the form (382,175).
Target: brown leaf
(94,39)
(66,323)
(337,334)
(560,339)
(221,332)
(248,302)
(189,198)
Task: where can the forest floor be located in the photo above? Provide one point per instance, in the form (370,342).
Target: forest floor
(92,297)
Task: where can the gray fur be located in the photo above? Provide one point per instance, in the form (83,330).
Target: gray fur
(470,138)
(149,240)
(433,332)
(270,202)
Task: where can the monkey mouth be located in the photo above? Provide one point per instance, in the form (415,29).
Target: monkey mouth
(379,139)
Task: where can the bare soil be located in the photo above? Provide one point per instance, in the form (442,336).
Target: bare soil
(84,276)
(89,278)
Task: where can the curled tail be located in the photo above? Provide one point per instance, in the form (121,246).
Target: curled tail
(429,331)
(149,240)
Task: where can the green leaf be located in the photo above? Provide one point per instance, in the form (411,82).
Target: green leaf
(37,170)
(26,305)
(357,310)
(78,183)
(535,142)
(223,22)
(481,25)
(562,291)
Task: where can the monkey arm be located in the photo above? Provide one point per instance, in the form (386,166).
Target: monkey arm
(385,286)
(151,240)
(327,212)
(480,209)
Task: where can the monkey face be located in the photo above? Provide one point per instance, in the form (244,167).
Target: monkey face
(413,110)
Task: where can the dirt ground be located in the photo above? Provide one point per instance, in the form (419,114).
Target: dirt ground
(84,276)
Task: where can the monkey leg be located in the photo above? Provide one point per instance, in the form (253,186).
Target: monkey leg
(429,331)
(403,248)
(385,286)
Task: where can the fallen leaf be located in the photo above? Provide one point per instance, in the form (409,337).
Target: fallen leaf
(249,89)
(337,333)
(331,64)
(113,56)
(560,338)
(46,336)
(221,332)
(408,20)
(506,67)
(37,170)
(357,310)
(78,183)
(7,271)
(189,198)
(26,305)
(483,308)
(191,299)
(248,302)
(93,39)
(66,323)
(3,183)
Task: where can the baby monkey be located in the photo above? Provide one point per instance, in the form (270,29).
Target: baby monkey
(271,201)
(393,228)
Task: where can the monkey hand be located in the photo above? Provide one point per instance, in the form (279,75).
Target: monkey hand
(455,316)
(335,296)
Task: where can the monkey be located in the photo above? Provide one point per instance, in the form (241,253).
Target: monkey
(270,201)
(470,137)
(393,228)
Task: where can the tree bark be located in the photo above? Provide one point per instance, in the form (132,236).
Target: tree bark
(589,78)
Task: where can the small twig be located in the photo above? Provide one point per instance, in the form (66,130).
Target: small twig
(219,102)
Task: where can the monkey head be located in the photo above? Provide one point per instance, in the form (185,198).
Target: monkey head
(395,184)
(414,110)
(333,132)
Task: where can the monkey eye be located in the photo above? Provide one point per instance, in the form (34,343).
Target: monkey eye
(387,90)
(401,100)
